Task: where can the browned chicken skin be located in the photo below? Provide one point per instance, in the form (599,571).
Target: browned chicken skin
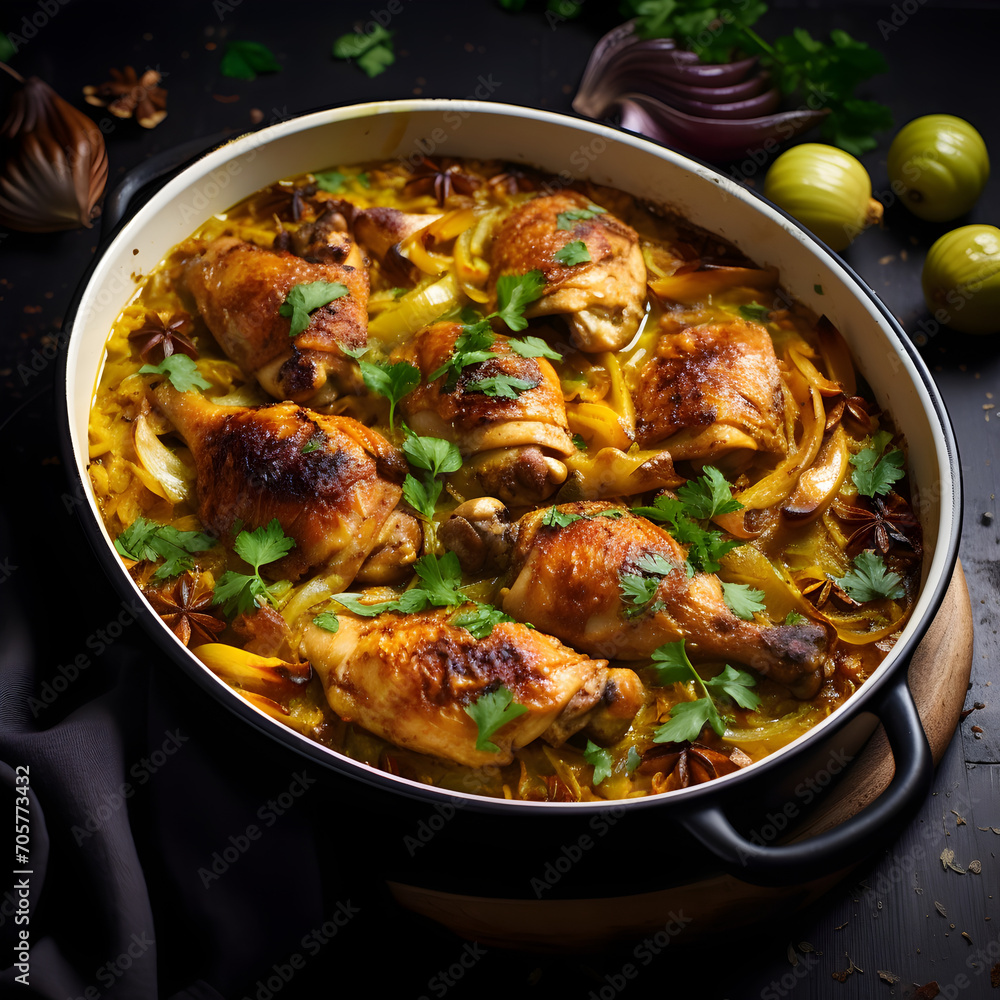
(239,289)
(516,443)
(603,299)
(334,500)
(711,389)
(380,230)
(566,583)
(409,678)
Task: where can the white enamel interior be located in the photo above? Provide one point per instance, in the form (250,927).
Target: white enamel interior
(568,147)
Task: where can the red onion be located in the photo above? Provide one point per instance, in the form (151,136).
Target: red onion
(716,111)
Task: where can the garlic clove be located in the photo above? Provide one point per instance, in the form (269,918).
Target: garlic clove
(57,164)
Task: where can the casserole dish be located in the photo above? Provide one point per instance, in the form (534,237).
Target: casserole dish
(715,815)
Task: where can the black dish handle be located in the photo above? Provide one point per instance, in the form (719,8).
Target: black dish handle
(118,205)
(845,844)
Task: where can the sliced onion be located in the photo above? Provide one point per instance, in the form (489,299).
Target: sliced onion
(175,478)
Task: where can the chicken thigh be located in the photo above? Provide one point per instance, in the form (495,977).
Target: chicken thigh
(604,295)
(409,679)
(240,288)
(513,445)
(710,390)
(330,481)
(566,581)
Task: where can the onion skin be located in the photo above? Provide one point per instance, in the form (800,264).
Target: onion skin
(826,189)
(56,166)
(961,279)
(939,165)
(713,139)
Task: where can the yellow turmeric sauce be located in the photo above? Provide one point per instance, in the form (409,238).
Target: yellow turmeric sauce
(694,279)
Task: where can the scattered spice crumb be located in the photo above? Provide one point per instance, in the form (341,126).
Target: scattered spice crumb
(960,820)
(887,259)
(978,729)
(887,977)
(975,866)
(225,98)
(210,46)
(940,908)
(995,976)
(903,254)
(979,704)
(842,926)
(256,116)
(926,992)
(965,934)
(989,406)
(947,856)
(806,948)
(841,975)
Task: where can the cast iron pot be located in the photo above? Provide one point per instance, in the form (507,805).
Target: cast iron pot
(728,825)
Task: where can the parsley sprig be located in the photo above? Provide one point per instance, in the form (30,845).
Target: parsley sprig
(433,457)
(394,381)
(150,541)
(743,600)
(181,372)
(687,516)
(305,298)
(440,587)
(373,50)
(566,220)
(875,469)
(572,253)
(492,711)
(239,593)
(870,579)
(639,589)
(600,759)
(824,74)
(687,719)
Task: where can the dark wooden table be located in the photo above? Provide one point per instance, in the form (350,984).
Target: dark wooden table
(907,919)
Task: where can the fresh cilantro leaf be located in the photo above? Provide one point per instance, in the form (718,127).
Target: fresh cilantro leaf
(875,472)
(572,253)
(332,181)
(491,712)
(501,386)
(181,372)
(687,719)
(442,579)
(743,600)
(565,9)
(240,592)
(708,495)
(555,518)
(818,289)
(869,579)
(313,444)
(755,311)
(407,603)
(671,664)
(565,220)
(394,381)
(422,494)
(373,51)
(305,298)
(579,443)
(653,562)
(736,684)
(794,618)
(7,48)
(244,60)
(433,454)
(533,347)
(637,591)
(480,620)
(327,621)
(632,760)
(613,512)
(600,759)
(149,541)
(472,346)
(515,292)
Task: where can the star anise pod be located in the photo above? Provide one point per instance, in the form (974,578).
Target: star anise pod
(287,203)
(887,524)
(850,407)
(183,606)
(820,591)
(157,340)
(678,765)
(442,180)
(126,95)
(512,180)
